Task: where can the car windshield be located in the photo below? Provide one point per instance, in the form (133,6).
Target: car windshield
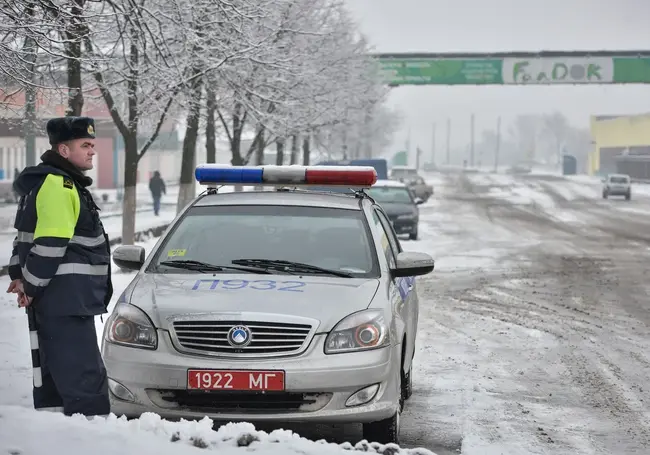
(333,239)
(390,194)
(618,179)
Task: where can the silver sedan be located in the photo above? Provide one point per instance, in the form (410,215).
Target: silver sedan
(279,305)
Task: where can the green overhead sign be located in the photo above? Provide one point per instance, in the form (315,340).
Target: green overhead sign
(436,71)
(515,71)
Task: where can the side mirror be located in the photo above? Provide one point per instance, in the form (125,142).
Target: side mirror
(419,201)
(130,257)
(411,263)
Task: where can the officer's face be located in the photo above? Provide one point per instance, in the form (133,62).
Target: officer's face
(79,152)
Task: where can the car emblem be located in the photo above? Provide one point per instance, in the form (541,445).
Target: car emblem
(239,336)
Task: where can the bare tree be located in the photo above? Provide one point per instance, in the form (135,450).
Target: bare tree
(139,77)
(525,133)
(312,69)
(557,127)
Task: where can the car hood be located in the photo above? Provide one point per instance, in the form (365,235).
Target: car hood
(326,299)
(392,208)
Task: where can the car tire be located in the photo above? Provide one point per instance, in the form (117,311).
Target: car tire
(383,431)
(628,196)
(386,431)
(413,235)
(604,195)
(407,384)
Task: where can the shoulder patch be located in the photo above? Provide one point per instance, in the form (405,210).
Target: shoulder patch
(67,183)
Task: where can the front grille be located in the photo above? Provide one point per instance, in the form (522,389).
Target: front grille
(221,402)
(267,338)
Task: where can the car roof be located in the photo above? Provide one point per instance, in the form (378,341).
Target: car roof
(390,184)
(403,168)
(618,175)
(291,197)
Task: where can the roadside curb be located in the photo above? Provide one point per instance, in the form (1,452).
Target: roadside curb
(156,231)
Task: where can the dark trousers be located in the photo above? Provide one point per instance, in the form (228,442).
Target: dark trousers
(156,205)
(72,369)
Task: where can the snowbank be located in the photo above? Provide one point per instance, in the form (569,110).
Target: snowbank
(27,432)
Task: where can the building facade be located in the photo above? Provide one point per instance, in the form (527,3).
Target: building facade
(620,144)
(108,168)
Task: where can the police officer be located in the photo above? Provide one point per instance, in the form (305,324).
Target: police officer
(60,266)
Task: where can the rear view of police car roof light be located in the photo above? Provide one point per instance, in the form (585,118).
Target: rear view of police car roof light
(219,174)
(356,176)
(284,174)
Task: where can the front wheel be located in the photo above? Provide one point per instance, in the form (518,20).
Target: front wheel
(413,235)
(628,196)
(604,195)
(383,431)
(407,384)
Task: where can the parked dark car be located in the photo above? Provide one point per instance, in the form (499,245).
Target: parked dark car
(400,205)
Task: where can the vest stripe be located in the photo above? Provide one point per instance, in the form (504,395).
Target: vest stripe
(82,269)
(66,269)
(34,280)
(49,251)
(28,237)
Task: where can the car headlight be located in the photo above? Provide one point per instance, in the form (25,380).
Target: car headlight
(366,329)
(130,326)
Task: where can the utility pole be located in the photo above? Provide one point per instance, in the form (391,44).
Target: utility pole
(498,145)
(471,147)
(448,140)
(408,146)
(433,145)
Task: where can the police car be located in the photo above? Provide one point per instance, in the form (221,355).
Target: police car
(286,305)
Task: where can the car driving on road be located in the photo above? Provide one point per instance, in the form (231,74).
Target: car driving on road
(399,204)
(283,305)
(617,185)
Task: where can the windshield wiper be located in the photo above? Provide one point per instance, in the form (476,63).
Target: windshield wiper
(199,266)
(287,266)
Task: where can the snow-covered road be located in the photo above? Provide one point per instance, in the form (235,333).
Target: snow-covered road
(534,329)
(537,332)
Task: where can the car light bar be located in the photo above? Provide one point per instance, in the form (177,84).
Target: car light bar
(346,176)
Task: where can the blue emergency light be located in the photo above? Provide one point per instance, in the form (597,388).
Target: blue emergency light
(294,175)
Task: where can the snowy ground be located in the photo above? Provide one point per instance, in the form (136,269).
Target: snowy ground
(534,334)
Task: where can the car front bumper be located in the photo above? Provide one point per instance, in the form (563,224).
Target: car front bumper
(407,226)
(617,191)
(317,385)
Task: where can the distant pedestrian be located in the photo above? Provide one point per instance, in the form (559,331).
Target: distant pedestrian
(60,270)
(157,188)
(16,174)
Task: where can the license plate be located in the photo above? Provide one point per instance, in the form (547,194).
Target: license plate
(235,380)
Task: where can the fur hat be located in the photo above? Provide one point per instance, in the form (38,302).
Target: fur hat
(64,129)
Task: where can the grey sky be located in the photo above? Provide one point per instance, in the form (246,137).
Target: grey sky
(504,25)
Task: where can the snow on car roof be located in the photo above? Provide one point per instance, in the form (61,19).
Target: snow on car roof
(294,198)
